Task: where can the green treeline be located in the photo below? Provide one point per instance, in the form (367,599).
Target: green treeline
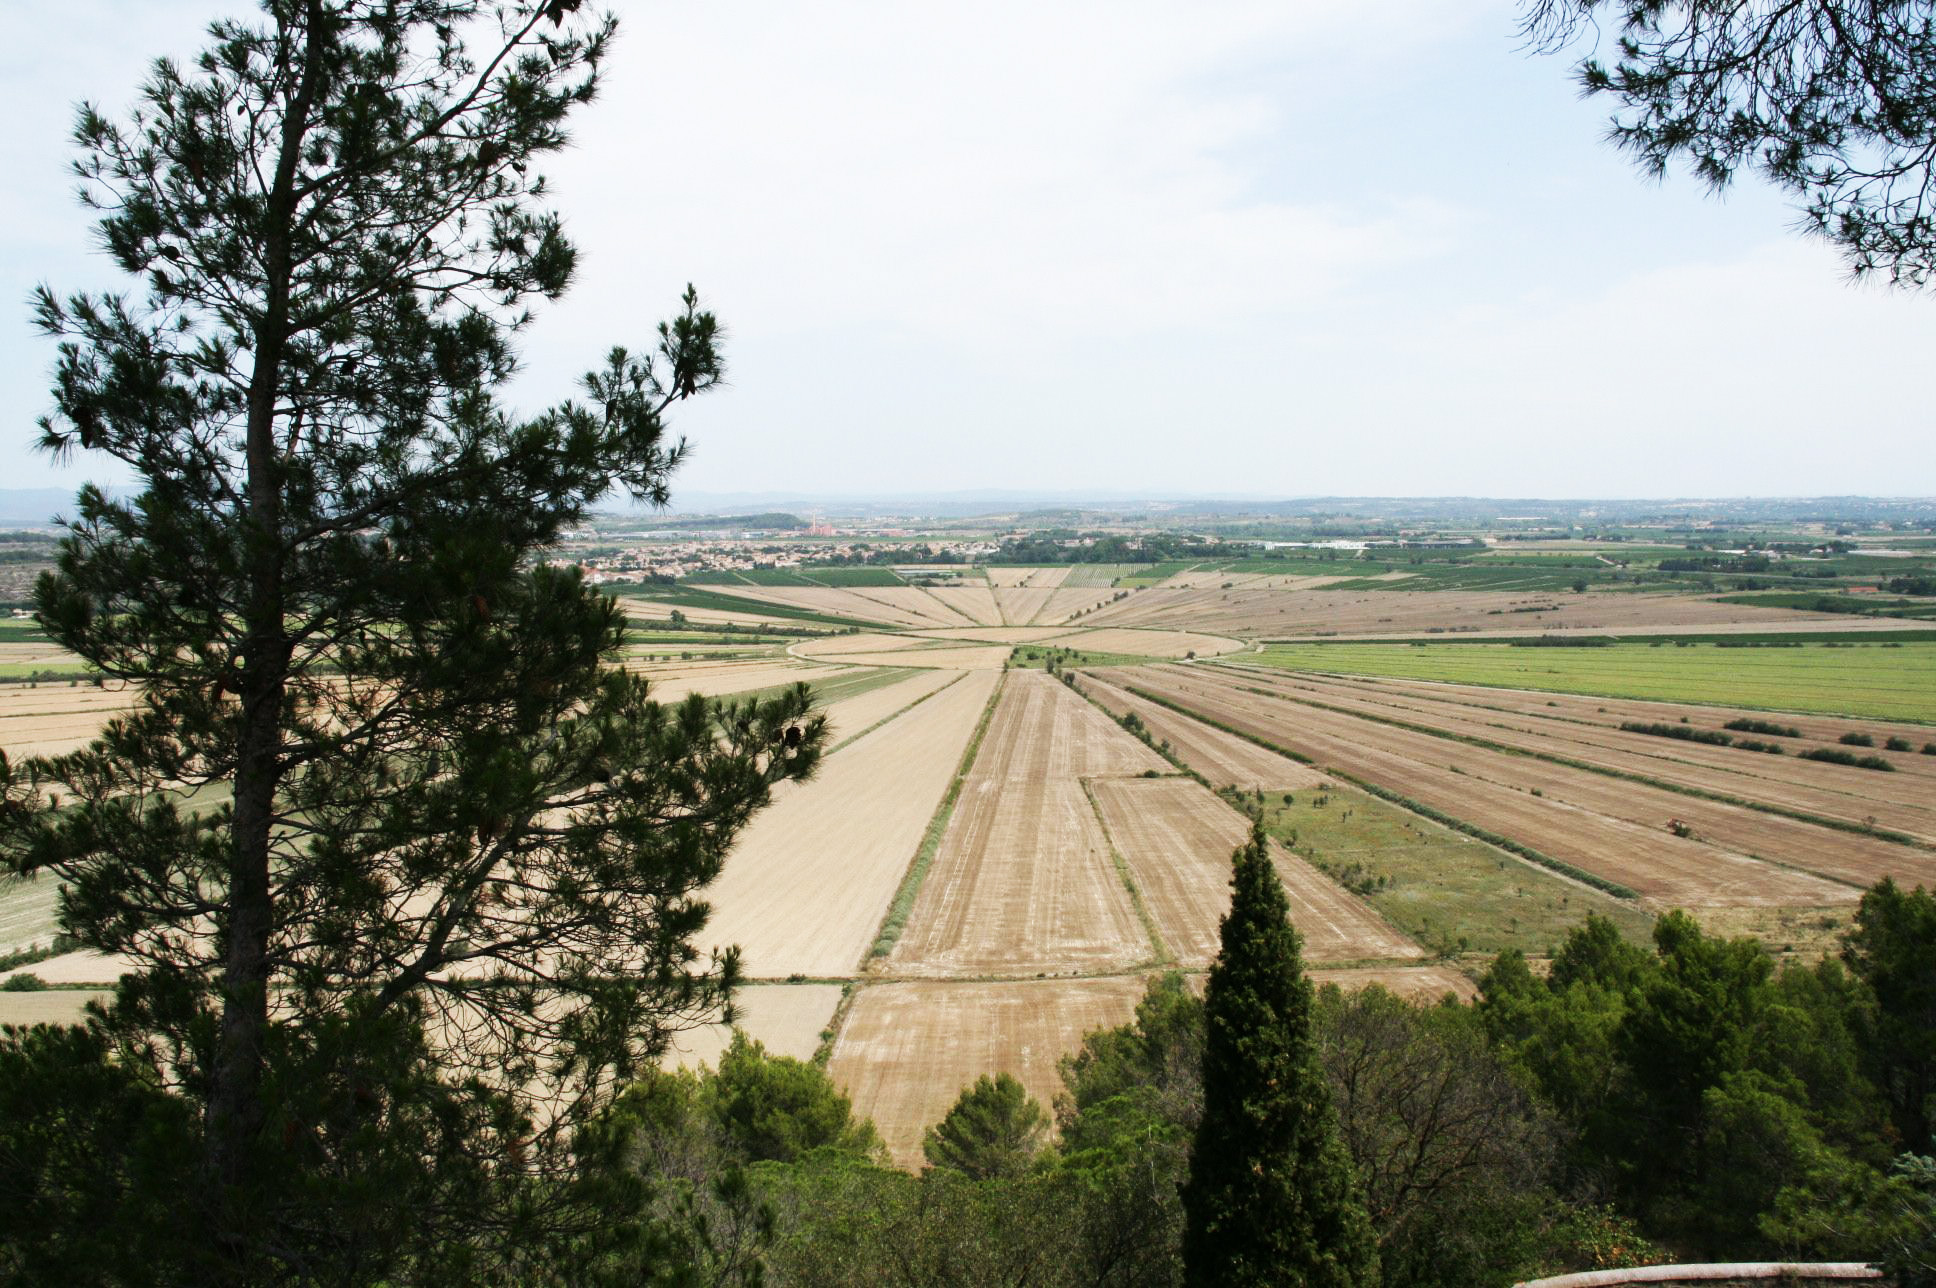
(1688,1101)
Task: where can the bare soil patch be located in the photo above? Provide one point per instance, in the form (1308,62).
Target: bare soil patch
(1223,758)
(1023,882)
(1666,869)
(787,1019)
(1856,858)
(1854,796)
(806,887)
(1149,643)
(906,1050)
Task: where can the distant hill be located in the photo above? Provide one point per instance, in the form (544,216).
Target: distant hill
(774,520)
(34,507)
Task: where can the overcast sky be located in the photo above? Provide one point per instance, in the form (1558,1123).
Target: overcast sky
(1294,248)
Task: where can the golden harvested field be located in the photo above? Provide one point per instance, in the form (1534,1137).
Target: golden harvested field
(1612,712)
(1223,758)
(786,1018)
(1423,985)
(806,886)
(672,681)
(850,717)
(976,603)
(1023,882)
(1065,602)
(906,1050)
(1843,792)
(987,658)
(1148,643)
(1289,614)
(648,610)
(51,718)
(74,968)
(49,1006)
(1613,829)
(996,634)
(1178,838)
(865,642)
(842,603)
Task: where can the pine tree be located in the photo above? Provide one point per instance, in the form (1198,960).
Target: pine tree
(406,869)
(994,1130)
(1271,1197)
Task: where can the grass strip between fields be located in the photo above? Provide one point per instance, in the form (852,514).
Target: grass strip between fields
(1645,780)
(1505,843)
(1143,735)
(903,906)
(1164,957)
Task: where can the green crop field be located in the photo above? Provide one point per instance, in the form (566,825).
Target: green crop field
(1884,681)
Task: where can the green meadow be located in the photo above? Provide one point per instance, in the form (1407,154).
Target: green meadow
(1890,681)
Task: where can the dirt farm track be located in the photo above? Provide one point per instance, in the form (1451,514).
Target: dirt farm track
(991,862)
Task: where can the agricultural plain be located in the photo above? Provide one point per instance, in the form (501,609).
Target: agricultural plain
(994,857)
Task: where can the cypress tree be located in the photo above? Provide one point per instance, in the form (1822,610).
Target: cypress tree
(1271,1197)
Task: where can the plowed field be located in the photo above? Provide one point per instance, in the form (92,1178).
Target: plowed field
(1177,839)
(785,1018)
(1836,791)
(1223,758)
(1615,830)
(1023,882)
(806,887)
(907,1049)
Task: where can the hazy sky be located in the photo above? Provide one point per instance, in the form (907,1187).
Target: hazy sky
(1286,248)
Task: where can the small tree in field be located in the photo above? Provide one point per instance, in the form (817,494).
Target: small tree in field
(994,1129)
(1271,1197)
(406,869)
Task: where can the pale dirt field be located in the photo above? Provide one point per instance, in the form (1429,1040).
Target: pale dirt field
(995,634)
(1611,712)
(49,1006)
(1852,795)
(1854,858)
(999,576)
(855,715)
(806,886)
(865,642)
(1022,604)
(27,911)
(1178,840)
(1149,643)
(1223,758)
(1063,603)
(1421,985)
(906,1050)
(647,610)
(786,1018)
(673,681)
(829,599)
(989,658)
(1666,870)
(74,968)
(1023,881)
(53,718)
(1275,614)
(918,602)
(1023,884)
(977,603)
(1049,578)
